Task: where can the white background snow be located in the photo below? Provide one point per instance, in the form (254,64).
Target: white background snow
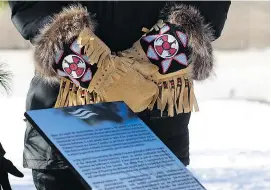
(229,136)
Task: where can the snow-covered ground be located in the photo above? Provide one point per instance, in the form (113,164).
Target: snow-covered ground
(229,136)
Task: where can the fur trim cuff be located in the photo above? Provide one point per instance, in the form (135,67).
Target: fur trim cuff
(200,37)
(61,29)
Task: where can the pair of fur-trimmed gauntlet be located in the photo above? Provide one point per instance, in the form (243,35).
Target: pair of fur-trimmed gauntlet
(158,69)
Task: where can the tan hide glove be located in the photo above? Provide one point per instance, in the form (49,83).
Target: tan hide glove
(166,46)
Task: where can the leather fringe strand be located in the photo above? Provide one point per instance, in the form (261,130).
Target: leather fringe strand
(72,95)
(176,95)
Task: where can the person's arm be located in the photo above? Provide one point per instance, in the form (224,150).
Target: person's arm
(7,167)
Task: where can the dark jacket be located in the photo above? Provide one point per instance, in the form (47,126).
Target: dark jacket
(2,151)
(119,26)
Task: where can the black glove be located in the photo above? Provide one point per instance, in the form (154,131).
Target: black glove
(6,167)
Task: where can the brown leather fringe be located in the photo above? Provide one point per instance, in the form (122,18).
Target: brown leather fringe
(72,95)
(176,94)
(94,48)
(180,103)
(193,100)
(186,105)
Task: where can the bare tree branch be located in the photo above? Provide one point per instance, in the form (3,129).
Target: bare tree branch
(5,79)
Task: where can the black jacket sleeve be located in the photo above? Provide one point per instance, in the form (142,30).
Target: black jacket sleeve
(29,16)
(2,151)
